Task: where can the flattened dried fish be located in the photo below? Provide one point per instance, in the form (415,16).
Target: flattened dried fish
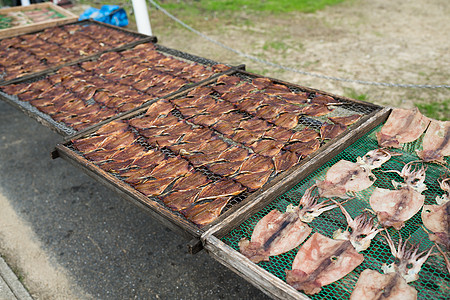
(267,147)
(348,120)
(330,131)
(172,167)
(193,179)
(303,149)
(285,160)
(154,187)
(256,163)
(287,120)
(221,188)
(304,135)
(402,126)
(254,181)
(436,142)
(180,200)
(204,213)
(316,110)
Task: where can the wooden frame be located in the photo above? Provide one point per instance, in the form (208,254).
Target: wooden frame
(143,39)
(241,265)
(17,30)
(64,130)
(239,211)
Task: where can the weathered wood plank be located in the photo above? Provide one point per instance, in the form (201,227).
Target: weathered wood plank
(18,30)
(235,261)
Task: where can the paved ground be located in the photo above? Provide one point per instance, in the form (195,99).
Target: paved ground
(10,286)
(99,245)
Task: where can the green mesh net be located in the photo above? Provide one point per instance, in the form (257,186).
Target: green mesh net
(434,281)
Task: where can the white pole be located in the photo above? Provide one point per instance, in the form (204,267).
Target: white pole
(142,19)
(25,2)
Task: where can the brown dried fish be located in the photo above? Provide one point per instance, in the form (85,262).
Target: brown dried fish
(180,200)
(254,181)
(221,188)
(204,213)
(303,149)
(316,110)
(348,120)
(285,160)
(330,131)
(154,187)
(256,163)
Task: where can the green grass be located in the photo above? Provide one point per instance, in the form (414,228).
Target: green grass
(273,6)
(351,93)
(436,110)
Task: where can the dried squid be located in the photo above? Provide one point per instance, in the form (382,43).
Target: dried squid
(278,232)
(402,126)
(394,207)
(436,142)
(346,176)
(393,284)
(321,261)
(436,218)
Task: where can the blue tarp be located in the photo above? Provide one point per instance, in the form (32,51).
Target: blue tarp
(111,14)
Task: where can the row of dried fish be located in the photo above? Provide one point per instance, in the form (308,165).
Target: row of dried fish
(81,97)
(321,260)
(54,46)
(115,149)
(406,126)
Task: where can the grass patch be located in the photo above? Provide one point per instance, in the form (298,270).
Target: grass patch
(436,110)
(351,93)
(272,6)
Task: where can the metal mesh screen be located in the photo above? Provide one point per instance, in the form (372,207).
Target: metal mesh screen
(434,281)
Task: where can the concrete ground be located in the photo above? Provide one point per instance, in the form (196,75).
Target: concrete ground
(67,236)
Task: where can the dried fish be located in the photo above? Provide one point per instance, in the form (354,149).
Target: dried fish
(316,110)
(284,160)
(303,149)
(402,126)
(330,131)
(180,200)
(204,213)
(254,181)
(154,187)
(222,188)
(348,120)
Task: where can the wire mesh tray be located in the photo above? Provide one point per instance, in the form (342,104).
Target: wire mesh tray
(434,281)
(176,142)
(40,51)
(82,94)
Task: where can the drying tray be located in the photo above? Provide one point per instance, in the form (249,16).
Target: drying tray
(77,44)
(137,97)
(277,184)
(61,16)
(222,240)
